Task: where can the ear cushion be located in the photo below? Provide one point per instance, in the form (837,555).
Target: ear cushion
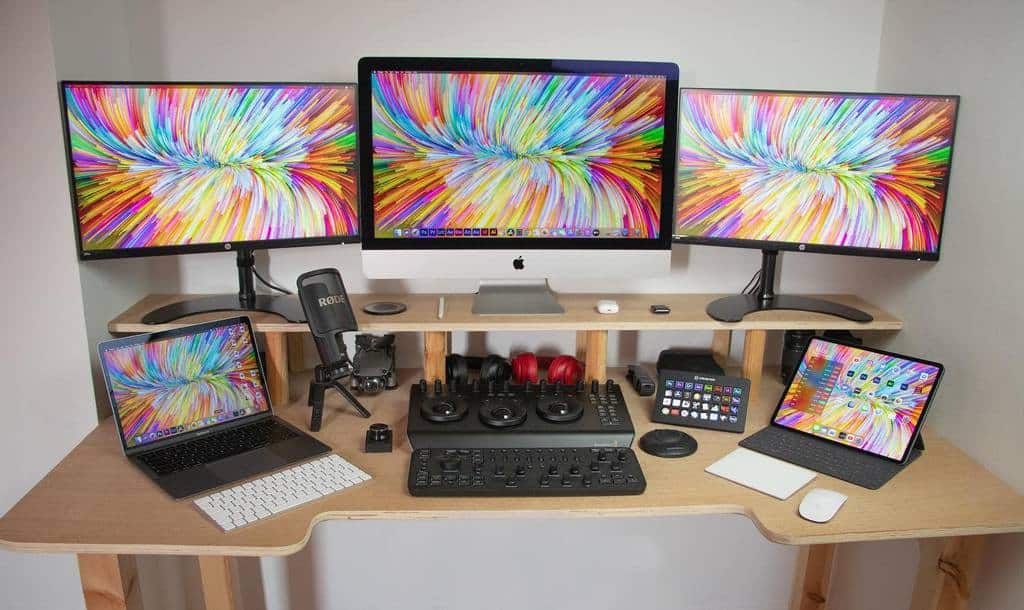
(524,368)
(456,369)
(496,368)
(566,369)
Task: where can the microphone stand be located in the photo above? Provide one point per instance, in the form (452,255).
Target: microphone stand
(330,376)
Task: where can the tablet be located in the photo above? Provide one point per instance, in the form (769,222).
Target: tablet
(866,399)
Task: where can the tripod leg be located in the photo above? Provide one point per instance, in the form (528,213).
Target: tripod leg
(351,399)
(316,400)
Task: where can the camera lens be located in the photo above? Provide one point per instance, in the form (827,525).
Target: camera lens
(372,385)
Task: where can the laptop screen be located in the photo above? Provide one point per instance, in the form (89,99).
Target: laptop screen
(868,400)
(163,385)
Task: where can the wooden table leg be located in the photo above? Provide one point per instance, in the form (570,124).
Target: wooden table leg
(721,343)
(945,572)
(581,345)
(595,358)
(277,368)
(813,576)
(109,582)
(218,588)
(435,349)
(753,358)
(296,352)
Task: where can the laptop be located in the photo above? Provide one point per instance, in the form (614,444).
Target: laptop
(851,412)
(192,408)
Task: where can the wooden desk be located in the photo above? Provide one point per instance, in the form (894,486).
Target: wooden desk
(96,504)
(688,313)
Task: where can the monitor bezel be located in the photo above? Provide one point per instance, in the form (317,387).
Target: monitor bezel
(827,248)
(162,335)
(920,420)
(230,246)
(669,157)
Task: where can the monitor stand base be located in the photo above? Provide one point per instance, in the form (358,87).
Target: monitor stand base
(287,307)
(732,309)
(516,298)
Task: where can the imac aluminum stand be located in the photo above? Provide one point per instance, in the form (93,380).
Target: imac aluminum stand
(516,298)
(732,309)
(247,300)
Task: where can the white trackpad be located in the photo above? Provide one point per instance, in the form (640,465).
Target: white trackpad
(762,473)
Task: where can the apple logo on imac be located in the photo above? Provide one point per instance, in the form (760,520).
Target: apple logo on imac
(517,263)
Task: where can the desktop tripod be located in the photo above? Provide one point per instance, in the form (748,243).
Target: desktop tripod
(325,377)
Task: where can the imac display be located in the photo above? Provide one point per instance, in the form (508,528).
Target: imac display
(840,173)
(515,168)
(871,401)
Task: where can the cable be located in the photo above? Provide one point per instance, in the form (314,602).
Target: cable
(752,284)
(268,284)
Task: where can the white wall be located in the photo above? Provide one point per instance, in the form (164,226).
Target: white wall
(47,404)
(793,44)
(966,311)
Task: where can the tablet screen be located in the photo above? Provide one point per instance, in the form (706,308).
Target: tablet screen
(860,398)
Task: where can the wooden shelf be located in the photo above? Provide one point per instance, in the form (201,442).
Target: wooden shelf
(95,501)
(688,313)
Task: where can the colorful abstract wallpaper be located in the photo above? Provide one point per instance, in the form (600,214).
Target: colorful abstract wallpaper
(177,165)
(840,170)
(169,387)
(517,150)
(858,398)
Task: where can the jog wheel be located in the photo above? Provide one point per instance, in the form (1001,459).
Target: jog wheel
(442,410)
(559,409)
(502,413)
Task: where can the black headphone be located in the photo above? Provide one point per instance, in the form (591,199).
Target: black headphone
(493,367)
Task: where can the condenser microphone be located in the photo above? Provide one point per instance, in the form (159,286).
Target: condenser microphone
(328,311)
(329,314)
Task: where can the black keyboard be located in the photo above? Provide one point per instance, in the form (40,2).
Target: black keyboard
(217,446)
(825,457)
(575,471)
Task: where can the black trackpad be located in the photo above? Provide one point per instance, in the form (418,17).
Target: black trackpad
(246,465)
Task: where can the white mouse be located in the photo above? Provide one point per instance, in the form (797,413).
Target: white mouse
(607,306)
(820,505)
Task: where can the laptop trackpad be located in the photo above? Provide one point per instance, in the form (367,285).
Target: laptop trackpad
(246,465)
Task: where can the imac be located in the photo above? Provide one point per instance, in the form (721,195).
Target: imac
(505,170)
(862,174)
(174,168)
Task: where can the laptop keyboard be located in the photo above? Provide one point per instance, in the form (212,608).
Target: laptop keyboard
(216,446)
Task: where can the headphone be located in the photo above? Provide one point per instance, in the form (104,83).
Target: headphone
(564,369)
(493,367)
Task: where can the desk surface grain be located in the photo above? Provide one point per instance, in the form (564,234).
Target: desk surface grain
(95,501)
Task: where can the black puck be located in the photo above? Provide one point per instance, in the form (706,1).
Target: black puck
(384,308)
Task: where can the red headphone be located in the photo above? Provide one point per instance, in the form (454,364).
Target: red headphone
(565,369)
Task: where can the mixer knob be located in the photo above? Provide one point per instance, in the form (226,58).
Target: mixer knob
(505,386)
(423,386)
(527,386)
(595,387)
(437,387)
(579,386)
(558,387)
(543,386)
(609,386)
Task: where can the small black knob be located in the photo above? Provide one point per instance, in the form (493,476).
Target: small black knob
(616,466)
(437,387)
(553,469)
(574,470)
(451,463)
(558,387)
(609,386)
(505,386)
(527,386)
(587,481)
(521,470)
(423,386)
(378,432)
(543,386)
(594,466)
(595,387)
(622,455)
(579,386)
(602,457)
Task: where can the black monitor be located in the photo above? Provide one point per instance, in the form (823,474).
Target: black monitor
(176,168)
(841,173)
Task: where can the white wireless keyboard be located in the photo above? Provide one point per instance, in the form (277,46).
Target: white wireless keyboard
(258,499)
